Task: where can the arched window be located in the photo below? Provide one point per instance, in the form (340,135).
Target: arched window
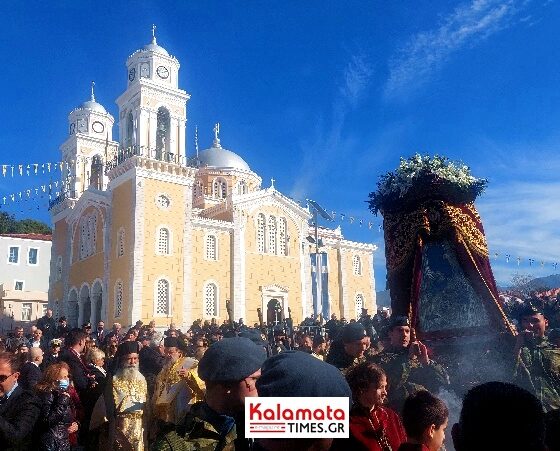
(129,130)
(357,265)
(260,233)
(219,188)
(282,248)
(88,236)
(162,134)
(211,300)
(163,247)
(162,301)
(211,251)
(198,189)
(118,299)
(272,235)
(120,243)
(358,305)
(83,238)
(96,173)
(242,187)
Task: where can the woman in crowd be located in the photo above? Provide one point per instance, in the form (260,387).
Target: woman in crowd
(372,426)
(56,421)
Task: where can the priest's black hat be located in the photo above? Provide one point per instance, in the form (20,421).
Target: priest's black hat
(128,347)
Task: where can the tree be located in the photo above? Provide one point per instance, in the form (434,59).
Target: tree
(9,224)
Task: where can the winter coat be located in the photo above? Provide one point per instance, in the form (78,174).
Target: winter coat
(55,418)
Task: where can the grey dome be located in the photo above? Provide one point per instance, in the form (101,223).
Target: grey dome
(218,157)
(93,106)
(153,47)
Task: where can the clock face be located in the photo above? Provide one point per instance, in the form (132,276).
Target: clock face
(132,74)
(98,127)
(72,128)
(162,72)
(82,125)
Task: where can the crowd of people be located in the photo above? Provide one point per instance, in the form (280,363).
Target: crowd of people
(67,388)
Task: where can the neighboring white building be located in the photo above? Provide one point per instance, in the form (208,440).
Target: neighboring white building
(24,278)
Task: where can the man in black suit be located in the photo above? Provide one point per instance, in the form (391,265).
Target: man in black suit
(99,334)
(74,345)
(19,408)
(47,325)
(62,328)
(30,373)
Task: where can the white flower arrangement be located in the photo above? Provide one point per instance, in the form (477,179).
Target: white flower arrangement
(421,177)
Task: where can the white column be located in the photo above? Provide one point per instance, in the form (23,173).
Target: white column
(182,138)
(138,259)
(238,265)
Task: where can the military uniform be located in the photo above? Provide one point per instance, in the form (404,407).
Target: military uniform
(202,429)
(337,357)
(406,376)
(538,370)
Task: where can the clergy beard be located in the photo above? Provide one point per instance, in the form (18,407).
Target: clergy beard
(129,373)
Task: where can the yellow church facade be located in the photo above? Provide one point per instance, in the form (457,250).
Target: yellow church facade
(141,232)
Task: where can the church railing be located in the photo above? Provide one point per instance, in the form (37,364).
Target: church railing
(124,153)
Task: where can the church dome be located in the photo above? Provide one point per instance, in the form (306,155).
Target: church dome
(154,47)
(218,157)
(92,105)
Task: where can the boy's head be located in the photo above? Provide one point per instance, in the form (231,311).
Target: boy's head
(425,419)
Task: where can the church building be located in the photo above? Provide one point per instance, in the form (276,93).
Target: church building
(144,231)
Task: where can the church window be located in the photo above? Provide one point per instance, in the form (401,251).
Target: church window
(282,247)
(219,188)
(242,187)
(163,241)
(120,243)
(211,300)
(272,235)
(358,305)
(96,173)
(163,135)
(129,130)
(162,302)
(88,236)
(118,299)
(357,265)
(211,253)
(260,233)
(198,189)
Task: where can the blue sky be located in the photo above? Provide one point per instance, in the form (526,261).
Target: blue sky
(324,96)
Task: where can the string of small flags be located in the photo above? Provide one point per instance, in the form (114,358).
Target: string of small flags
(28,169)
(51,190)
(533,263)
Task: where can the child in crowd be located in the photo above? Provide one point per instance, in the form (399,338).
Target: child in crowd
(425,419)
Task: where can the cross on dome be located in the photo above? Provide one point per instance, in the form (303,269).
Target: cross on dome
(216,133)
(92,92)
(272,180)
(154,34)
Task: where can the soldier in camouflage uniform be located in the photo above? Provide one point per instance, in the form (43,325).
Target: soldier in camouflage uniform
(408,367)
(537,366)
(230,369)
(349,349)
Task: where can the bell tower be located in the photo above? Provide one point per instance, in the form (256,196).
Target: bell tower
(153,110)
(85,151)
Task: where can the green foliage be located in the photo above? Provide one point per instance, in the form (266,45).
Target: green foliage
(9,224)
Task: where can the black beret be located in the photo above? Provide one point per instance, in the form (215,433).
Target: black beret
(231,359)
(171,342)
(296,373)
(255,336)
(127,347)
(353,332)
(530,309)
(397,321)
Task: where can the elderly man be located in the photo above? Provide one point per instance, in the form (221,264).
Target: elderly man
(30,371)
(37,340)
(19,408)
(47,325)
(230,369)
(123,404)
(177,386)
